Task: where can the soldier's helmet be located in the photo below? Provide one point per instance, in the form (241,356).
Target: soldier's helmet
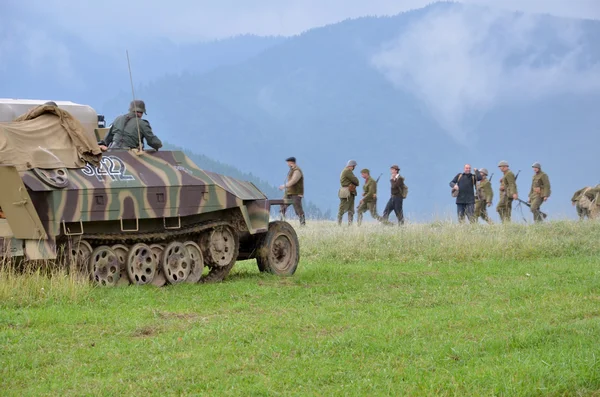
(50,103)
(536,165)
(137,106)
(484,171)
(503,163)
(351,163)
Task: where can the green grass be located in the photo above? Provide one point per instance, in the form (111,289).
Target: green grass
(434,309)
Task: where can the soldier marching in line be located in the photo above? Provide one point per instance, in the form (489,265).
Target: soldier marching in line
(485,195)
(508,192)
(369,197)
(294,190)
(349,183)
(587,202)
(582,211)
(539,192)
(398,192)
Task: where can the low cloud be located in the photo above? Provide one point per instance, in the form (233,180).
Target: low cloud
(37,51)
(463,61)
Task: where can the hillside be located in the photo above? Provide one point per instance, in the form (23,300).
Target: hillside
(386,90)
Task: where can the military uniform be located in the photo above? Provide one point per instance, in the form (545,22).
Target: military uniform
(369,200)
(581,203)
(590,200)
(347,180)
(540,190)
(508,187)
(485,195)
(294,190)
(123,133)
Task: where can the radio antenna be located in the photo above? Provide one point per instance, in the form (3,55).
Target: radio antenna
(137,120)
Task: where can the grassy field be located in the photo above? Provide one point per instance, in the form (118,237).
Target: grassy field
(434,309)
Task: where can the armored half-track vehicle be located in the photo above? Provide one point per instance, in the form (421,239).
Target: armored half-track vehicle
(125,216)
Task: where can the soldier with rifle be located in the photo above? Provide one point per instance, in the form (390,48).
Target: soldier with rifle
(508,192)
(349,183)
(369,197)
(539,192)
(485,195)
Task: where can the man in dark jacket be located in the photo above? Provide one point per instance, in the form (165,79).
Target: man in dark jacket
(463,188)
(395,202)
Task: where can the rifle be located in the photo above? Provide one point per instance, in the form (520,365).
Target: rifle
(516,176)
(529,205)
(377,180)
(491,176)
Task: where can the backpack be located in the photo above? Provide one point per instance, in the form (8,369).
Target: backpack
(404,191)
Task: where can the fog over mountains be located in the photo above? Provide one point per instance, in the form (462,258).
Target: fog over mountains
(429,89)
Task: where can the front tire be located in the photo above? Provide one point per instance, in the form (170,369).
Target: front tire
(279,250)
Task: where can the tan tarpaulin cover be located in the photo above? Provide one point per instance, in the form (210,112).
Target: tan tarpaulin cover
(47,137)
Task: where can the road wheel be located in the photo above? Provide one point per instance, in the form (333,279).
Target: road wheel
(104,266)
(221,245)
(279,250)
(141,264)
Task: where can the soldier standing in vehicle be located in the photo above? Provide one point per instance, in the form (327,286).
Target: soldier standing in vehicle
(123,133)
(485,195)
(539,192)
(294,190)
(397,198)
(508,192)
(369,197)
(349,183)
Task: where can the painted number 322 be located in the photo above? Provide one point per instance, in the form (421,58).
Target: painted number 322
(111,167)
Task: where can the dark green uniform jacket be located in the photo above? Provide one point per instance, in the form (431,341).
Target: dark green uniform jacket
(123,133)
(540,186)
(510,184)
(485,191)
(347,177)
(369,190)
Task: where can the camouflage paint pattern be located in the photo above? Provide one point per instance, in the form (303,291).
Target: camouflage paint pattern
(129,188)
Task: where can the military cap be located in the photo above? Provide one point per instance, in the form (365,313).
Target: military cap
(137,106)
(395,166)
(365,171)
(484,171)
(536,165)
(503,163)
(292,159)
(351,163)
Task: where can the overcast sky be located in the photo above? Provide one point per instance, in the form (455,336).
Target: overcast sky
(192,20)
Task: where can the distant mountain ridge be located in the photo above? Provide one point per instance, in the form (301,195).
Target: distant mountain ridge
(429,89)
(330,95)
